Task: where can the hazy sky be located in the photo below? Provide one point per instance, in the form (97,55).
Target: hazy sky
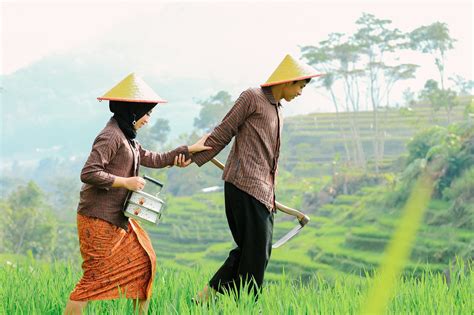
(235,44)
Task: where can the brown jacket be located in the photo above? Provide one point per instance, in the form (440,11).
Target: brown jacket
(256,122)
(113,155)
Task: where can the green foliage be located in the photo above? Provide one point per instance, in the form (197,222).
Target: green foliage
(28,225)
(439,98)
(433,39)
(66,247)
(351,182)
(447,151)
(469,110)
(63,196)
(213,110)
(461,196)
(154,138)
(405,183)
(419,146)
(463,85)
(5,211)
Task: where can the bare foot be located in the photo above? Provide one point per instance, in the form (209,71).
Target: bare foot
(204,295)
(74,307)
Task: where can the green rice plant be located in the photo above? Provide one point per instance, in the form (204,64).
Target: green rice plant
(32,287)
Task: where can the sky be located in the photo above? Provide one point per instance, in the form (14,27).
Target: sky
(233,44)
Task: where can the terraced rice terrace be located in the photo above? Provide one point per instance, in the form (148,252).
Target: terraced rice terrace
(316,139)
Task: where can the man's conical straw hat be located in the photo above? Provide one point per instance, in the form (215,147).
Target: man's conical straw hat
(132,89)
(290,70)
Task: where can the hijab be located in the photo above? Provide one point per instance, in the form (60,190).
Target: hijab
(127,114)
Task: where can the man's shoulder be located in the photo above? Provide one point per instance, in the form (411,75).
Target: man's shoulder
(254,91)
(253,95)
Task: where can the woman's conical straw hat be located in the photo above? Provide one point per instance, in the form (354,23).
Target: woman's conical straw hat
(132,89)
(290,70)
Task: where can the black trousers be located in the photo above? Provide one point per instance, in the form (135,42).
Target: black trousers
(251,225)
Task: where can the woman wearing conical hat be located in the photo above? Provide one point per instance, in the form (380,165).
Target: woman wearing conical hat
(118,257)
(256,123)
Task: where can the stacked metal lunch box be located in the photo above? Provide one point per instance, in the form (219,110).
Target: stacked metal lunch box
(143,206)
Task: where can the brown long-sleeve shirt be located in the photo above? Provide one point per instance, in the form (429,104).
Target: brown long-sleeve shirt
(114,155)
(256,122)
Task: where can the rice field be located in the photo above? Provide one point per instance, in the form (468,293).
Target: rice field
(31,287)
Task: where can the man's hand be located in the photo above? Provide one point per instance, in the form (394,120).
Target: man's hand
(199,145)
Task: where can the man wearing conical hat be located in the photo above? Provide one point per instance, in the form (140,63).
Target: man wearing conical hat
(255,121)
(118,257)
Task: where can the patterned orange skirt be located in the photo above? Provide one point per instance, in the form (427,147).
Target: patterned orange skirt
(116,263)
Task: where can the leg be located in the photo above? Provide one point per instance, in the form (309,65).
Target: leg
(257,246)
(252,227)
(74,307)
(255,223)
(228,273)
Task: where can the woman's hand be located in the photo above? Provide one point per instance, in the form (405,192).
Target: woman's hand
(134,183)
(180,161)
(199,145)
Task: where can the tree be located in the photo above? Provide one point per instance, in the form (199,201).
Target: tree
(439,98)
(321,58)
(463,85)
(5,211)
(337,57)
(397,73)
(361,60)
(376,40)
(433,39)
(63,196)
(160,130)
(29,225)
(408,97)
(213,110)
(155,137)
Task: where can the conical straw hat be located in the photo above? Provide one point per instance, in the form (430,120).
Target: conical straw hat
(290,70)
(132,89)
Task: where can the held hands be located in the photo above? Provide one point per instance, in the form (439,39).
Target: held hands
(137,183)
(197,147)
(180,161)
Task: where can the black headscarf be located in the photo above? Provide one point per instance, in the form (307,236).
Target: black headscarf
(125,113)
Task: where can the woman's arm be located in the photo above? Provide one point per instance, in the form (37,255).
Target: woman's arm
(179,156)
(131,183)
(103,150)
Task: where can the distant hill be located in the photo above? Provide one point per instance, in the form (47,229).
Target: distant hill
(49,109)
